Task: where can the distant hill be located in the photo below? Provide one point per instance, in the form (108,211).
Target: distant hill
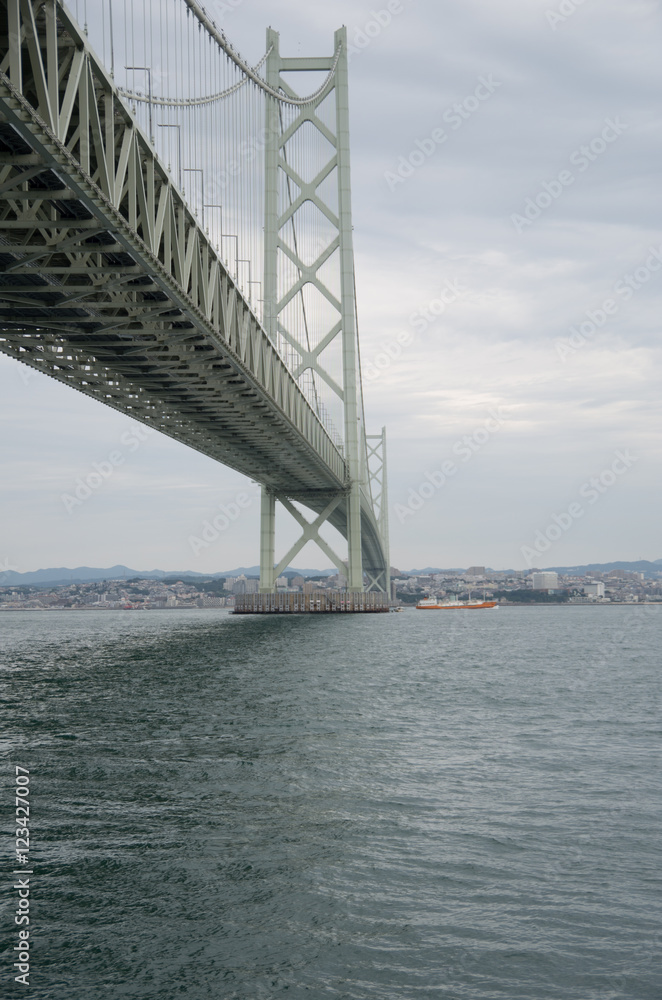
(650,569)
(81,574)
(88,574)
(430,570)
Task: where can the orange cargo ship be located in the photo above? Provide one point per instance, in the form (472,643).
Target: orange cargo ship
(430,604)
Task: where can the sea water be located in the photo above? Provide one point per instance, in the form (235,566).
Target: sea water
(443,805)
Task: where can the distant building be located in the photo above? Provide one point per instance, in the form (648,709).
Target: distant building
(594,589)
(545,581)
(625,574)
(475,571)
(297,581)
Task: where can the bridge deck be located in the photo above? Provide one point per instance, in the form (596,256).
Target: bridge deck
(108,283)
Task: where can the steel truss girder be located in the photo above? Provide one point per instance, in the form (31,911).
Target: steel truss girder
(68,122)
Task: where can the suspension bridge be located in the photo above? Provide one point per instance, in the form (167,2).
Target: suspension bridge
(176,242)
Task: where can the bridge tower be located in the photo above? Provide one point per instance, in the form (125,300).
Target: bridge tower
(290,270)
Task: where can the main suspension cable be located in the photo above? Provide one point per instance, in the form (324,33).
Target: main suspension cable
(222,41)
(189,102)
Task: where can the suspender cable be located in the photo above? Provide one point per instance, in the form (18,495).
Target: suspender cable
(222,41)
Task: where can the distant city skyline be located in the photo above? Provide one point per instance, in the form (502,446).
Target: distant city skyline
(10,577)
(508,280)
(230,591)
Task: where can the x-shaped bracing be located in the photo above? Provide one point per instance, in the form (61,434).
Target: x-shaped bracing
(310,534)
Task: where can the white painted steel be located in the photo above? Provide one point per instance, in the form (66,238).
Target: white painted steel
(279,292)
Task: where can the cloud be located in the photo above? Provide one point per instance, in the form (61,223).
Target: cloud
(451,220)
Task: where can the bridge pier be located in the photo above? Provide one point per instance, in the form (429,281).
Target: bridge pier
(354,555)
(267,541)
(318,602)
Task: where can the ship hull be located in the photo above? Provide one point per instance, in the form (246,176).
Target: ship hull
(456,607)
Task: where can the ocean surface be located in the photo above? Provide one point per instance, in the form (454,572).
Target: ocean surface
(462,806)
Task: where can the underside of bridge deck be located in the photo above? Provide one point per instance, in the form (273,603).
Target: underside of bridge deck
(79,301)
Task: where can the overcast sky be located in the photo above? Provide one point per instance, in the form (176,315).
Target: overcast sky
(529,209)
